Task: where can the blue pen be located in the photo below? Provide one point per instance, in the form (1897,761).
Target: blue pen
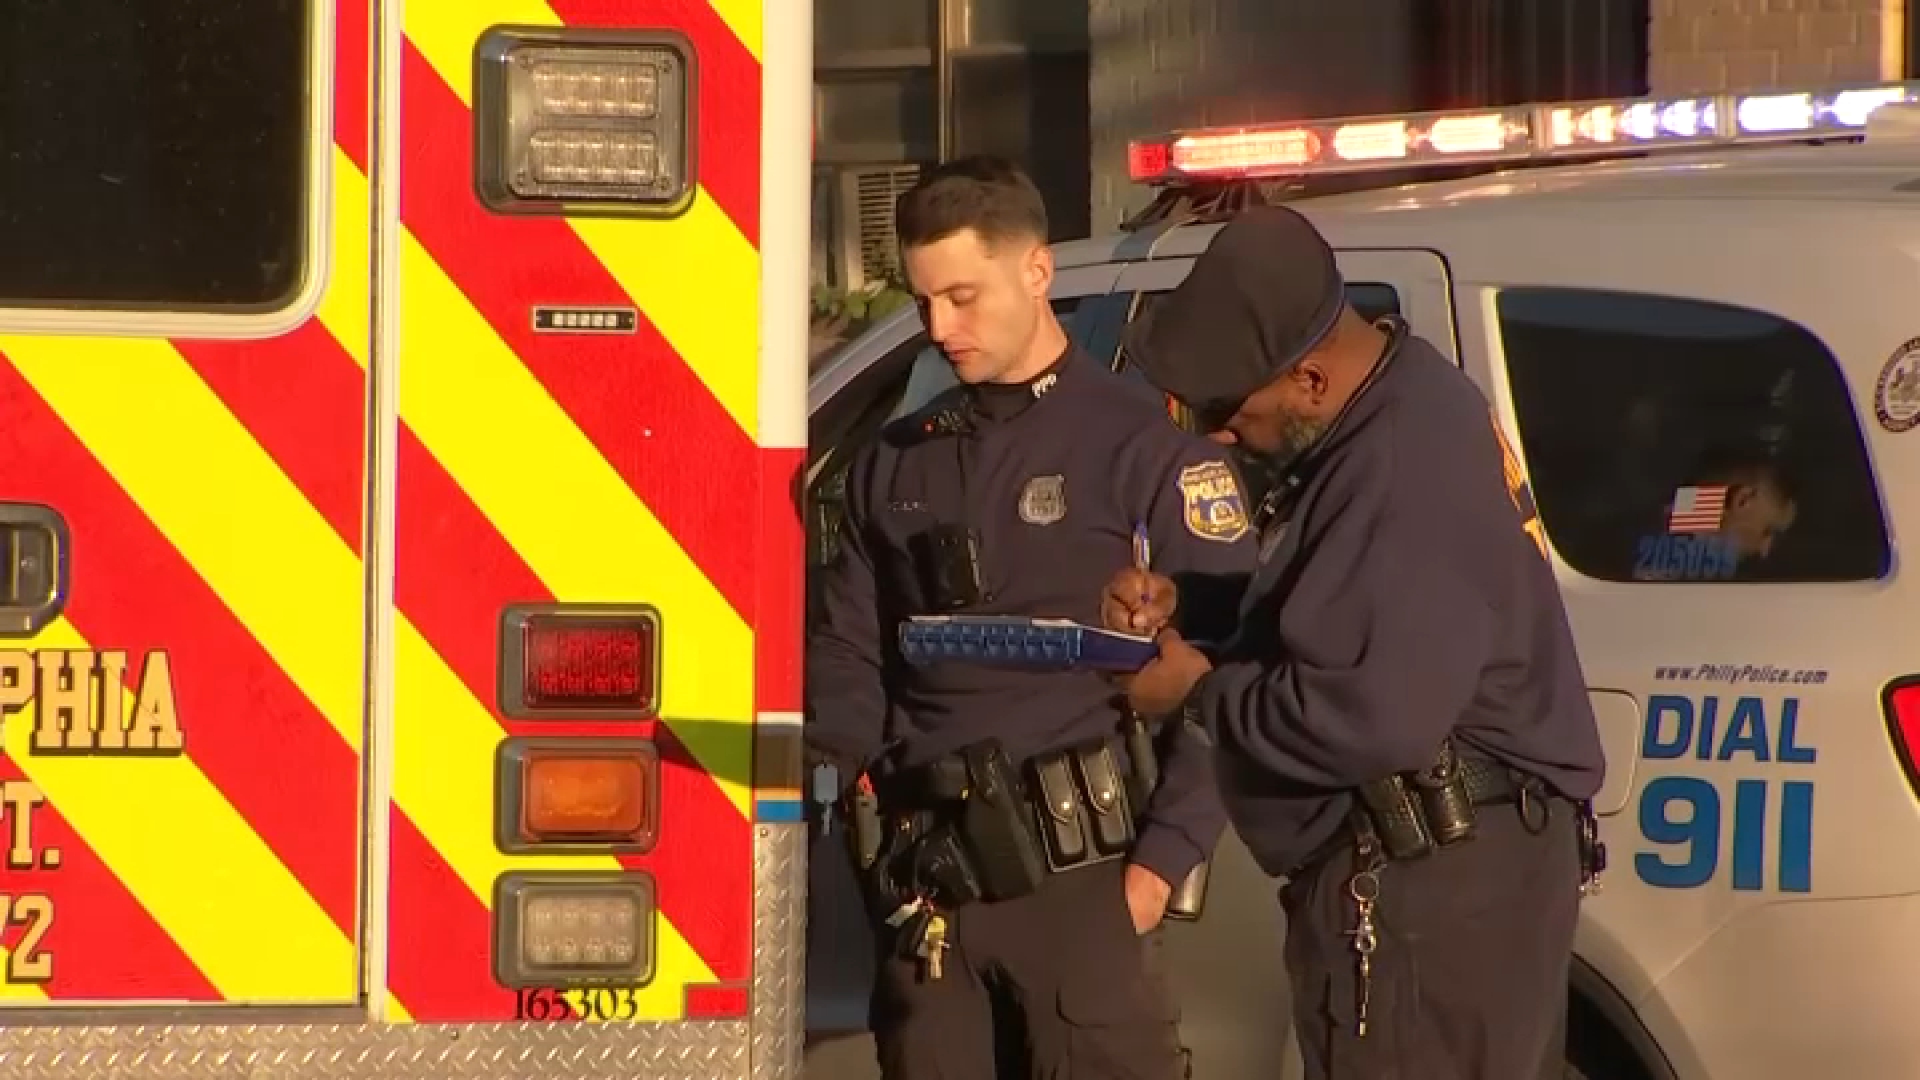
(1142,555)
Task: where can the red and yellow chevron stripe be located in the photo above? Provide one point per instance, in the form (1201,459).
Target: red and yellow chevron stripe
(216,494)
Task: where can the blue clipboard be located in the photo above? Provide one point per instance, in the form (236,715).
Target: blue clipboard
(1017,641)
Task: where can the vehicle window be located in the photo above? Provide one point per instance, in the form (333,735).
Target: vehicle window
(153,154)
(1679,440)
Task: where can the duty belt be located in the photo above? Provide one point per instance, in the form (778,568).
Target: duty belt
(1408,815)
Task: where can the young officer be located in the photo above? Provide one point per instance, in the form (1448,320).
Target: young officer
(1020,492)
(1402,723)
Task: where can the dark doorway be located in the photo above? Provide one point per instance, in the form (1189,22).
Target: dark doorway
(1506,52)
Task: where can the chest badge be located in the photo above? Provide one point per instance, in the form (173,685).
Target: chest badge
(1044,500)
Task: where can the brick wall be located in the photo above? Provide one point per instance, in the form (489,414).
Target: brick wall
(1163,64)
(1708,45)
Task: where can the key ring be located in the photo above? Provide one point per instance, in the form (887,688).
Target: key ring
(1364,887)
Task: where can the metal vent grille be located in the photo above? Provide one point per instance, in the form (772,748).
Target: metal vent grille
(876,191)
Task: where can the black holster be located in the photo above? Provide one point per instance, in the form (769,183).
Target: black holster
(1412,814)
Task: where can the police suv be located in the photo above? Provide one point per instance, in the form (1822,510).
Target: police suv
(1699,320)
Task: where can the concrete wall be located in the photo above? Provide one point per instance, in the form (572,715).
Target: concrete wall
(1708,45)
(1163,64)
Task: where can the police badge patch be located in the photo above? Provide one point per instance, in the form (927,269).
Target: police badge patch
(1213,507)
(1044,500)
(1896,395)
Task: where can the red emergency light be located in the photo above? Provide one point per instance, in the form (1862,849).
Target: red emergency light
(591,662)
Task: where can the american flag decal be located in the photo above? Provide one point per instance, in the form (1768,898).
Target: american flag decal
(1697,509)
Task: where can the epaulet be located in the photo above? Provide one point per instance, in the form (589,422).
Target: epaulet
(944,415)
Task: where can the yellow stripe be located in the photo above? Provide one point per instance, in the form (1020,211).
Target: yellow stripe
(696,277)
(743,17)
(219,499)
(562,506)
(193,862)
(444,745)
(345,310)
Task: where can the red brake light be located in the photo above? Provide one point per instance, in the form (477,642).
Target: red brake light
(1146,161)
(1901,703)
(573,662)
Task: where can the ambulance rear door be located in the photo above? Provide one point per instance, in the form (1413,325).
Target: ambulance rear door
(184,346)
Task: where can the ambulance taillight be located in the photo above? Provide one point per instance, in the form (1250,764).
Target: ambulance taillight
(573,929)
(577,795)
(582,662)
(584,121)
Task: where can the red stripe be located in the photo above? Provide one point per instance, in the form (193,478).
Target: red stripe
(250,730)
(440,963)
(645,410)
(301,397)
(727,97)
(103,944)
(454,575)
(778,632)
(352,41)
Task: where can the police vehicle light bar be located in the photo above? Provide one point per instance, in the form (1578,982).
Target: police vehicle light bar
(1508,134)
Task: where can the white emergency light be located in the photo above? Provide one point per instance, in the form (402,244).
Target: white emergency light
(584,120)
(1515,133)
(574,929)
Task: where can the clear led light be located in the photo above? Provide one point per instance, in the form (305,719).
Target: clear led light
(581,931)
(578,116)
(592,157)
(624,90)
(578,928)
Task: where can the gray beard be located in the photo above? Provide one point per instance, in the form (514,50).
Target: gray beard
(1297,434)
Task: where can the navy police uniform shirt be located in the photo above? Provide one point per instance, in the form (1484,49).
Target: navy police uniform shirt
(1408,596)
(1052,476)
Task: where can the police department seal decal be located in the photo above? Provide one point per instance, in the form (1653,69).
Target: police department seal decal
(1211,500)
(1896,397)
(1044,500)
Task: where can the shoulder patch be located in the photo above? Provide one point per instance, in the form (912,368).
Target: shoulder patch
(1896,394)
(1044,500)
(1211,502)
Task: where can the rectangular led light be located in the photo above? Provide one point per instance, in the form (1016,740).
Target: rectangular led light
(574,119)
(573,929)
(580,661)
(576,795)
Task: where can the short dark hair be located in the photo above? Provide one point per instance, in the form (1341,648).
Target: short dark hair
(987,194)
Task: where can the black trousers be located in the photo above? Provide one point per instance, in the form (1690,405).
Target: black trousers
(1469,980)
(1053,986)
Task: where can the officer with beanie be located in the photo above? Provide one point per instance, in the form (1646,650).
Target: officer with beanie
(1401,724)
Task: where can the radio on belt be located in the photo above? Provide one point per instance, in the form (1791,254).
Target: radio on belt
(1022,642)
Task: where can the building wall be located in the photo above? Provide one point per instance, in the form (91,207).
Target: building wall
(1699,46)
(1156,65)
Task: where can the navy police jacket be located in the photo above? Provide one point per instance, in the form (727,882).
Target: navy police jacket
(1052,476)
(1409,596)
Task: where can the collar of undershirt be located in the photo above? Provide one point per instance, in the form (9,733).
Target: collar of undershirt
(1001,402)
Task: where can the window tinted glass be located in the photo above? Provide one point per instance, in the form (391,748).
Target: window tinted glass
(152,153)
(1678,440)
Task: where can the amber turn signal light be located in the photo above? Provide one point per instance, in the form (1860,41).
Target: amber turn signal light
(582,795)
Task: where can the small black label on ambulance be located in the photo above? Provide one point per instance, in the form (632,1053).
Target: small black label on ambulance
(585,320)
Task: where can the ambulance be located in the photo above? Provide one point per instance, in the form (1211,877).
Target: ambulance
(1696,320)
(400,573)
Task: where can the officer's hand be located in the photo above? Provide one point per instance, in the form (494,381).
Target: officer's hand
(1138,602)
(1147,897)
(1160,687)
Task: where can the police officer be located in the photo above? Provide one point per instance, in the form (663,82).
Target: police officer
(1009,920)
(1402,723)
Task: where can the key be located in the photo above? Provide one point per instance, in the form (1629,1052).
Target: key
(933,943)
(905,911)
(913,935)
(1364,887)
